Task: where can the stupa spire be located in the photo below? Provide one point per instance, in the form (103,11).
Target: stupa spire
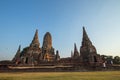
(19,48)
(35,41)
(75,48)
(85,39)
(72,54)
(17,55)
(76,53)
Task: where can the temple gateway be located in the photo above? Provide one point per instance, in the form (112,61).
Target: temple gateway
(35,54)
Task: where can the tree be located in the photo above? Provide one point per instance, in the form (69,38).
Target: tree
(116,60)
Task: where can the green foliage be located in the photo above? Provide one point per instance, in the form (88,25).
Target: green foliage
(116,60)
(105,75)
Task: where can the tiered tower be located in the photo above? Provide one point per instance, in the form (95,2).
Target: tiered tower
(30,55)
(88,52)
(35,42)
(16,58)
(47,49)
(76,53)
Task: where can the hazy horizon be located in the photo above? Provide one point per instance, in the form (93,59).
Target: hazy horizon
(64,19)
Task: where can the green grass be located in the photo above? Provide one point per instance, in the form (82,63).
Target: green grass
(107,75)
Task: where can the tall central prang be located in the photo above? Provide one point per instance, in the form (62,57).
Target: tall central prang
(47,49)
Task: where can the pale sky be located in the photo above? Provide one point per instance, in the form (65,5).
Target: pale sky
(64,19)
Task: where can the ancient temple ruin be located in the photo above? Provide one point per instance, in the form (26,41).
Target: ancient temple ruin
(35,54)
(88,53)
(44,58)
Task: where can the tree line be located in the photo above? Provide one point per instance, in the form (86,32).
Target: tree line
(111,59)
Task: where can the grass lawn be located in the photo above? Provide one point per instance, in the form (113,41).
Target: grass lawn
(105,75)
